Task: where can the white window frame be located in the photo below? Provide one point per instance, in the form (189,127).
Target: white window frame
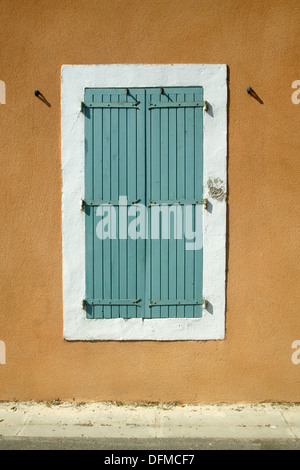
(213,79)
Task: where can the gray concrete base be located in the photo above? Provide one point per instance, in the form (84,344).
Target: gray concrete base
(107,444)
(111,426)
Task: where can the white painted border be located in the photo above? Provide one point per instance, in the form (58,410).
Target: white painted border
(75,78)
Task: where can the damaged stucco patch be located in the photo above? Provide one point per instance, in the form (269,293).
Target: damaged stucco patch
(216,189)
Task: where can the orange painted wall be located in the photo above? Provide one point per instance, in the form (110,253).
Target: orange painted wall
(259,40)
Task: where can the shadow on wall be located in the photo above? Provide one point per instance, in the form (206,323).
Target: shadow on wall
(41,97)
(252,93)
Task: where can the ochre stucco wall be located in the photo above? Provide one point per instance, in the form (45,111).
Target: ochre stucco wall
(259,40)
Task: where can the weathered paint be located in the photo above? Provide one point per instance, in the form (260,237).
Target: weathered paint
(128,277)
(259,42)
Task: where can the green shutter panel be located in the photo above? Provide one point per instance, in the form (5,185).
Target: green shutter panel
(146,145)
(114,166)
(175,174)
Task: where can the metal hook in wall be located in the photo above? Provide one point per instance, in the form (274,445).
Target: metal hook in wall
(41,97)
(252,93)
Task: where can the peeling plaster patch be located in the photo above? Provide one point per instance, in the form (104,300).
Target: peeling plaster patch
(216,189)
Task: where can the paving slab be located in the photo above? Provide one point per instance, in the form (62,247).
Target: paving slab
(136,421)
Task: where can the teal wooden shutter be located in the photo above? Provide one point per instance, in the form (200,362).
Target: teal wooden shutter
(114,166)
(175,174)
(145,144)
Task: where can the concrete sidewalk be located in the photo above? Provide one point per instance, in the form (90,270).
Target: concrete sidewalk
(111,421)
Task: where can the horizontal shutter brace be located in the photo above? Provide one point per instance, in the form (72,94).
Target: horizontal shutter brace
(180,104)
(124,104)
(109,302)
(178,202)
(106,202)
(155,303)
(135,302)
(134,104)
(95,203)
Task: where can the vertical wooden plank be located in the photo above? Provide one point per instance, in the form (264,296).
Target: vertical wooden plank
(190,194)
(132,196)
(107,196)
(141,194)
(198,172)
(172,195)
(98,190)
(164,191)
(181,195)
(89,213)
(155,157)
(148,278)
(114,176)
(123,169)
